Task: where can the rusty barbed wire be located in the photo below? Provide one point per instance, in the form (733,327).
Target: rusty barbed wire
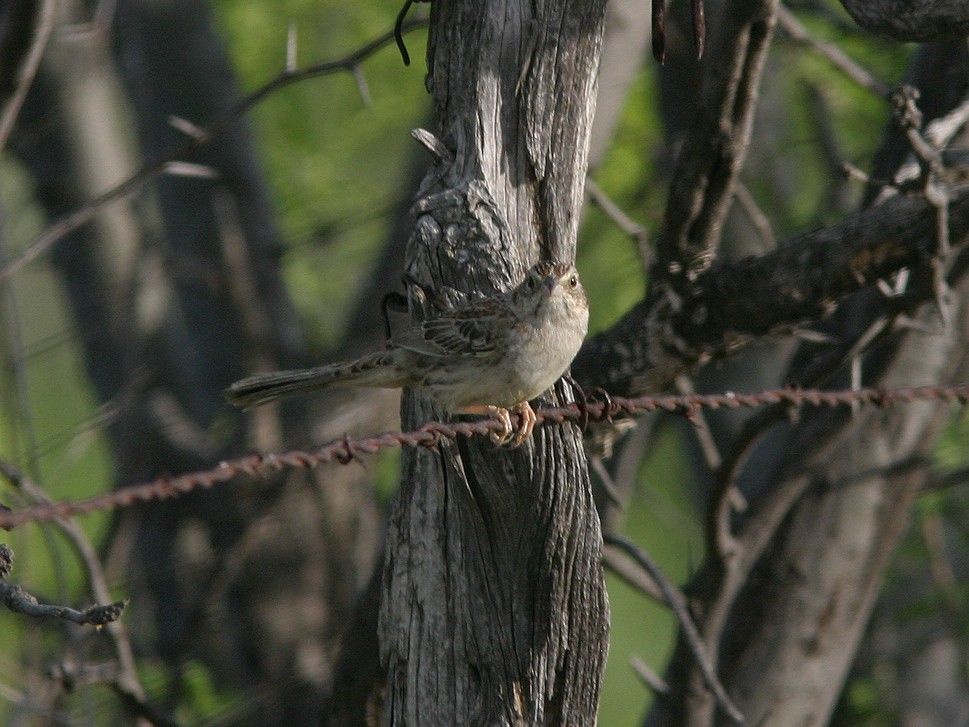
(343,451)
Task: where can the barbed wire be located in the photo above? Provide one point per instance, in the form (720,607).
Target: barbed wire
(343,451)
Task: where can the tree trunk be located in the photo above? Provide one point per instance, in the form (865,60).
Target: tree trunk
(791,582)
(174,303)
(494,609)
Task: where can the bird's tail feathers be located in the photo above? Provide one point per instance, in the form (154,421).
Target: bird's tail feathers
(373,370)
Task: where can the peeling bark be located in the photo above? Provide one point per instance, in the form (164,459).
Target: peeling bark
(494,609)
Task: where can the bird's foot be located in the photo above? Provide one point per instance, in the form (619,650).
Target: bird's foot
(526,422)
(507,435)
(504,434)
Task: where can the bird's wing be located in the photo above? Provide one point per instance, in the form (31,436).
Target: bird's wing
(471,330)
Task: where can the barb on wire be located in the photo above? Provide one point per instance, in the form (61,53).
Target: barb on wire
(199,138)
(347,449)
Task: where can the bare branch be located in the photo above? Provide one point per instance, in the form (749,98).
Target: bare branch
(126,678)
(677,603)
(28,70)
(716,146)
(158,166)
(18,600)
(757,218)
(939,132)
(839,59)
(635,231)
(650,678)
(775,293)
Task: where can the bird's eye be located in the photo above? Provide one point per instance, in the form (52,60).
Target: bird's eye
(532,282)
(574,281)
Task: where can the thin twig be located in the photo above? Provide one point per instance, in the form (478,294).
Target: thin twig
(677,603)
(939,132)
(29,71)
(704,436)
(937,135)
(758,219)
(635,231)
(934,188)
(128,674)
(649,677)
(838,58)
(608,484)
(399,31)
(18,600)
(623,567)
(155,168)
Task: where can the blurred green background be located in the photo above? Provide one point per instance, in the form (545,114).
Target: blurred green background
(336,154)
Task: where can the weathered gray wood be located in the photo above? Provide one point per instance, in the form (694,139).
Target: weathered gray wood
(494,609)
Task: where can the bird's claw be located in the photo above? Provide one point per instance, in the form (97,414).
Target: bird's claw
(526,424)
(504,418)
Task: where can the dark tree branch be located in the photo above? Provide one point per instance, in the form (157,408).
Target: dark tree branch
(779,591)
(794,285)
(20,601)
(715,147)
(911,22)
(126,676)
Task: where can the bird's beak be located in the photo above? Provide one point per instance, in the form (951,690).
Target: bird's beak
(550,282)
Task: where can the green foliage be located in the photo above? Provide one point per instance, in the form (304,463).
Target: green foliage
(337,164)
(611,266)
(863,706)
(201,700)
(951,451)
(661,517)
(336,157)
